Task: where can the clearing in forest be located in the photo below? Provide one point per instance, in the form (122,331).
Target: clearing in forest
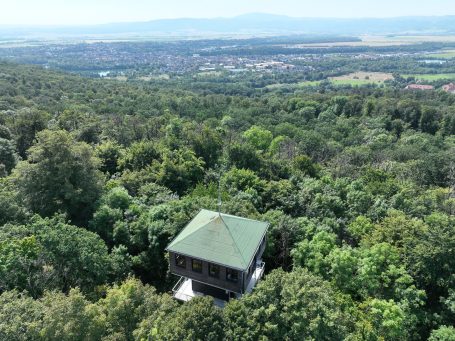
(443,54)
(358,78)
(355,78)
(432,77)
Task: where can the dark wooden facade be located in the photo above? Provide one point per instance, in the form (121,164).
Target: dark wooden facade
(221,281)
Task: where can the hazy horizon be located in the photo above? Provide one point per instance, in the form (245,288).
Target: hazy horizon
(215,17)
(85,12)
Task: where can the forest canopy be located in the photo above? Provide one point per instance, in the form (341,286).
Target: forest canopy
(98,176)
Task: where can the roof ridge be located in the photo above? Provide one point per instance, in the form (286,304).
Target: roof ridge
(175,241)
(237,217)
(234,240)
(224,239)
(202,226)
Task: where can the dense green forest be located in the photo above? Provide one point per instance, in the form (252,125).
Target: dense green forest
(98,176)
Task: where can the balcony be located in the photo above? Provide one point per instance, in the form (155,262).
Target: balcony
(183,289)
(257,275)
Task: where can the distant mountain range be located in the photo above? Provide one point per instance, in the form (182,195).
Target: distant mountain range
(248,24)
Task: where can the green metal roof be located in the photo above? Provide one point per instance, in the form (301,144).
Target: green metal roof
(220,238)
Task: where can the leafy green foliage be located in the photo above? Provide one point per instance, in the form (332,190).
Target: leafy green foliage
(48,254)
(139,155)
(443,333)
(260,138)
(381,320)
(110,154)
(21,263)
(60,175)
(289,306)
(20,317)
(8,157)
(27,123)
(70,317)
(180,170)
(197,320)
(312,253)
(357,185)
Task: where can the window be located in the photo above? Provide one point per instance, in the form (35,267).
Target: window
(232,275)
(180,261)
(196,265)
(214,270)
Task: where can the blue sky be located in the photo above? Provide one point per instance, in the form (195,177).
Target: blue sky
(57,12)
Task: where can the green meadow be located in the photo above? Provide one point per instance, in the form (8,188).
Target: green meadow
(432,77)
(448,54)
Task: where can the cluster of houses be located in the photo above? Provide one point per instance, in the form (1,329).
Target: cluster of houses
(419,87)
(450,88)
(242,64)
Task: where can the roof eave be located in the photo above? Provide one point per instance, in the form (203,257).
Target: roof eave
(259,245)
(207,260)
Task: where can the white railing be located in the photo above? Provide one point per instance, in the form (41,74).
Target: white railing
(177,291)
(259,265)
(178,284)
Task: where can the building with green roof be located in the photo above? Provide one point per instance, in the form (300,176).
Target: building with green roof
(217,254)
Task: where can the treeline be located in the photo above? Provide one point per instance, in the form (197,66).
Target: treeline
(280,50)
(98,176)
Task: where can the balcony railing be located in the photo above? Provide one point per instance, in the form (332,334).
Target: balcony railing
(256,276)
(183,291)
(180,291)
(178,285)
(260,266)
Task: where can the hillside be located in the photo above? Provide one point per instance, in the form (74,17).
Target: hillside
(249,24)
(97,177)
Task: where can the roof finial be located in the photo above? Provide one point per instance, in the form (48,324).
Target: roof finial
(219,195)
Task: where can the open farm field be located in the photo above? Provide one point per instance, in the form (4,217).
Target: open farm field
(445,54)
(378,40)
(432,77)
(361,78)
(356,78)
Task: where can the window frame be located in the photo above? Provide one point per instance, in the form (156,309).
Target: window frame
(232,271)
(217,273)
(180,257)
(193,261)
